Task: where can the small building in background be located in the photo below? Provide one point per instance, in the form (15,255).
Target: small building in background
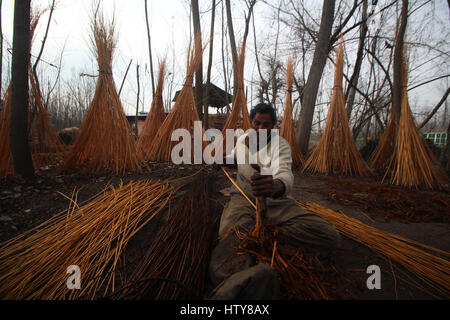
(438,138)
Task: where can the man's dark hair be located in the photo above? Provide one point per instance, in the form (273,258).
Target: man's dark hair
(264,108)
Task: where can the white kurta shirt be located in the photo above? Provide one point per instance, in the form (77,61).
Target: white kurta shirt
(274,158)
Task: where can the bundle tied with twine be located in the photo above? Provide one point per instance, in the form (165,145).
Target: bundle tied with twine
(412,164)
(336,152)
(91,236)
(287,125)
(155,117)
(104,139)
(183,113)
(239,117)
(431,265)
(46,146)
(175,265)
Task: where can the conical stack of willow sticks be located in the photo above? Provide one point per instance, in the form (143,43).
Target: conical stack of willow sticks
(239,117)
(46,146)
(183,113)
(432,269)
(175,265)
(287,126)
(336,151)
(412,164)
(105,139)
(155,117)
(379,159)
(34,264)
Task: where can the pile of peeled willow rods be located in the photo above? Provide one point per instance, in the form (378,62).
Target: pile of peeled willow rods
(176,263)
(104,139)
(184,111)
(412,164)
(287,125)
(295,273)
(239,117)
(45,143)
(432,269)
(336,151)
(33,265)
(385,148)
(155,117)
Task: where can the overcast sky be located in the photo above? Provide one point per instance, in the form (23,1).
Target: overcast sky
(70,31)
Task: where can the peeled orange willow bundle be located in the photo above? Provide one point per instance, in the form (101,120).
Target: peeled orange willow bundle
(287,125)
(336,152)
(45,145)
(183,113)
(239,117)
(155,117)
(105,139)
(91,236)
(412,163)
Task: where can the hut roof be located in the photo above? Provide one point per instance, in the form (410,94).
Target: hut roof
(218,98)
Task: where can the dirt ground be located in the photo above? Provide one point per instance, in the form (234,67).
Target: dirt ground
(417,215)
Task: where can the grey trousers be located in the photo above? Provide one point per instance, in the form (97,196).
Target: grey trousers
(237,277)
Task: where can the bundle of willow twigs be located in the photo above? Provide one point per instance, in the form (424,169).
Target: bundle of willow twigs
(412,164)
(433,270)
(46,146)
(154,118)
(34,264)
(104,139)
(239,117)
(297,276)
(382,154)
(336,151)
(287,125)
(183,113)
(175,265)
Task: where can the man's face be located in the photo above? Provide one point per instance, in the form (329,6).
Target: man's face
(262,121)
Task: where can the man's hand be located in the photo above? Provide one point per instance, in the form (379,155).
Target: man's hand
(266,186)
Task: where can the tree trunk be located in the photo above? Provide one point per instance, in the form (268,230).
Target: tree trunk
(351,92)
(20,149)
(36,79)
(224,68)
(137,102)
(208,74)
(314,76)
(398,53)
(199,73)
(232,45)
(150,50)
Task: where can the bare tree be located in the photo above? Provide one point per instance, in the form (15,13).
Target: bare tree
(398,53)
(20,149)
(149,48)
(208,74)
(199,73)
(351,92)
(315,75)
(52,8)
